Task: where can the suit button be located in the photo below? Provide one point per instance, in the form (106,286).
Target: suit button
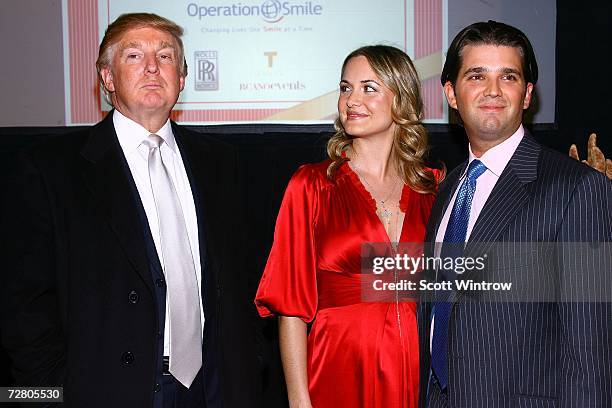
(127,357)
(160,335)
(134,297)
(157,388)
(160,283)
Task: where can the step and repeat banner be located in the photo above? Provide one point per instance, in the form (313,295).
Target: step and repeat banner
(261,60)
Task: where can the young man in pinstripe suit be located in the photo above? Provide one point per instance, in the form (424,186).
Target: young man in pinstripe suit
(553,349)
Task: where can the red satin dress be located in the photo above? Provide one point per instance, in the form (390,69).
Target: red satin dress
(360,354)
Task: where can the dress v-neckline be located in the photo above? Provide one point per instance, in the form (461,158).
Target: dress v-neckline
(371,202)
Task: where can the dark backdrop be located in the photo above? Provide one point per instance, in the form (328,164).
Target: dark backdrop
(583,46)
(270,153)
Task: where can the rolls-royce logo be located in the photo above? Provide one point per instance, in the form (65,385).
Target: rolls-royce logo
(207,71)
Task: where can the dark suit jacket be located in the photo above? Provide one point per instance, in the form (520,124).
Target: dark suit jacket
(556,352)
(79,304)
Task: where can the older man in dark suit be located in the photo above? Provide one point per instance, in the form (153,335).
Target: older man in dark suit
(549,345)
(123,287)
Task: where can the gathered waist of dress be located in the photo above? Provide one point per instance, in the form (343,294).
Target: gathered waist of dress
(337,289)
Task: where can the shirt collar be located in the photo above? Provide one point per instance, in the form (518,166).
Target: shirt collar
(131,134)
(496,158)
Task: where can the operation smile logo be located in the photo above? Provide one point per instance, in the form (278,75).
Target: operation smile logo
(271,11)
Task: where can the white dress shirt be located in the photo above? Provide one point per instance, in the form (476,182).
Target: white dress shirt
(495,159)
(131,135)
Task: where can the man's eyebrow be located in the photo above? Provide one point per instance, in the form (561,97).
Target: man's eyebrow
(511,71)
(166,44)
(125,46)
(475,70)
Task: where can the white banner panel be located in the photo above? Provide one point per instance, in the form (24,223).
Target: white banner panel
(277,61)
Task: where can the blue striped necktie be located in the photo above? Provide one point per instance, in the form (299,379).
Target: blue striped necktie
(455,234)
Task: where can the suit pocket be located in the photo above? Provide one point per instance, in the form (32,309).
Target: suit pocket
(531,401)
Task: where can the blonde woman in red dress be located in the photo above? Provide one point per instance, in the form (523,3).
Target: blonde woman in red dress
(374,187)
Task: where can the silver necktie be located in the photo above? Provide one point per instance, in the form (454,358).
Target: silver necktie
(179,270)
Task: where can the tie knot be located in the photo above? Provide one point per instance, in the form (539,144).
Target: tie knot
(153,141)
(475,170)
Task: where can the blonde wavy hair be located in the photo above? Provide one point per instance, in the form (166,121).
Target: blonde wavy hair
(410,145)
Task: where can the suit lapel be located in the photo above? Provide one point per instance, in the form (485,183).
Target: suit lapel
(202,170)
(105,176)
(207,169)
(509,195)
(445,193)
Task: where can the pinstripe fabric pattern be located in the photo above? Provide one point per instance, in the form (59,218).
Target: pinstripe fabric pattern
(536,354)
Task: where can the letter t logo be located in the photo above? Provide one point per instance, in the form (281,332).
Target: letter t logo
(270,55)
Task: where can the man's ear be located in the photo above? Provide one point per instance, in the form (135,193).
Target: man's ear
(449,91)
(528,93)
(107,79)
(181,83)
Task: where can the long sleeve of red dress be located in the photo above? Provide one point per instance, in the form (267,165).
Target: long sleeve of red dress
(289,285)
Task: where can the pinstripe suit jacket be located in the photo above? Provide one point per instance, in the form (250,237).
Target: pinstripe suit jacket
(532,354)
